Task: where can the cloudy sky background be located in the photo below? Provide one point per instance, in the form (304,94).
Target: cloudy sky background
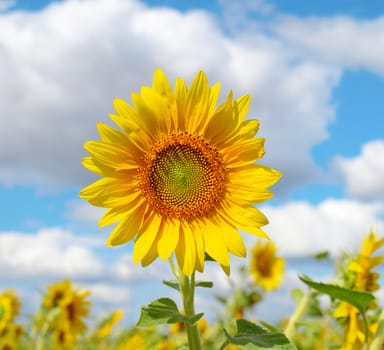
(315,73)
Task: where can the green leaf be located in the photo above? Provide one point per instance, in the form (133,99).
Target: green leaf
(249,333)
(204,284)
(322,255)
(269,327)
(360,300)
(195,318)
(160,311)
(297,295)
(173,284)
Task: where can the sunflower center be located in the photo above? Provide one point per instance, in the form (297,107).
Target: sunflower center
(264,265)
(182,176)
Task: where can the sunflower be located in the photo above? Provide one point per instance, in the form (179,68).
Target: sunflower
(9,308)
(136,340)
(72,305)
(266,268)
(364,279)
(106,327)
(180,174)
(362,266)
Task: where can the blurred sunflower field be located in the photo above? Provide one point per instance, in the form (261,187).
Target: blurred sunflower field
(342,313)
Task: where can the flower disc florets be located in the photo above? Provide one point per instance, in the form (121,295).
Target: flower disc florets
(182,176)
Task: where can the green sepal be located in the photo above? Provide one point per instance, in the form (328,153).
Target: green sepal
(173,284)
(204,284)
(160,311)
(255,337)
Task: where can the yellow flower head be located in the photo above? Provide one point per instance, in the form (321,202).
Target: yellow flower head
(135,341)
(180,176)
(72,304)
(266,268)
(166,344)
(105,328)
(9,308)
(365,278)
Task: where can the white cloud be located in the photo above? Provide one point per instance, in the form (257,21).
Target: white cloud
(61,68)
(301,228)
(109,294)
(343,41)
(125,270)
(82,211)
(364,173)
(50,253)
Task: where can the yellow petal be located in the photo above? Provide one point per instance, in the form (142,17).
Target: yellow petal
(233,240)
(146,238)
(116,214)
(161,84)
(247,218)
(222,123)
(244,197)
(190,250)
(197,102)
(214,94)
(241,106)
(90,165)
(200,248)
(155,108)
(125,230)
(181,98)
(111,155)
(110,135)
(241,154)
(150,256)
(126,111)
(214,243)
(253,175)
(168,238)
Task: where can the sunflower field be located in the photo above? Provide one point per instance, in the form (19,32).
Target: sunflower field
(350,318)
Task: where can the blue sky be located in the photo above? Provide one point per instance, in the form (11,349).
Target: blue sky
(314,70)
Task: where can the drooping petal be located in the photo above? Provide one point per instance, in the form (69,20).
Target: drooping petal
(214,243)
(126,229)
(146,238)
(247,218)
(189,262)
(168,238)
(200,246)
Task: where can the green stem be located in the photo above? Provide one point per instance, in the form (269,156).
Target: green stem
(187,289)
(299,312)
(378,339)
(49,318)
